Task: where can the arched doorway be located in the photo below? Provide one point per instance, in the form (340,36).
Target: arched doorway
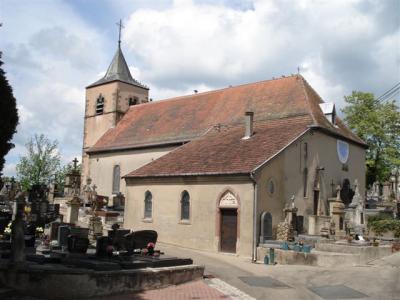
(228,222)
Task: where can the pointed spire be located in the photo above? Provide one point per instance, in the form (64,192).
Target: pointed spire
(118,69)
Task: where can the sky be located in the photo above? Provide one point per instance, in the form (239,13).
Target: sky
(53,49)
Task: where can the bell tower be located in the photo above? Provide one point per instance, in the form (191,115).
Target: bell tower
(107,100)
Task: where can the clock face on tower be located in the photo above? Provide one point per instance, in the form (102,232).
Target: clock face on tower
(342,151)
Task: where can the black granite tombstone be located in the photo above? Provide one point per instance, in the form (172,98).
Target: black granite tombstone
(139,239)
(118,238)
(346,193)
(63,233)
(103,244)
(77,244)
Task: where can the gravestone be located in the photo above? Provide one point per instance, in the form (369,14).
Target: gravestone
(54,230)
(119,201)
(337,213)
(118,238)
(77,244)
(103,246)
(266,227)
(346,193)
(79,232)
(73,210)
(95,227)
(63,233)
(140,239)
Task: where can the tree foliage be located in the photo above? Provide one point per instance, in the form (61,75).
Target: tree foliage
(41,163)
(8,116)
(378,124)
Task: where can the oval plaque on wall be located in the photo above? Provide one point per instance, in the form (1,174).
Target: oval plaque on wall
(342,151)
(228,200)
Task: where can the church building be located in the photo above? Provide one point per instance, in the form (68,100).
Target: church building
(202,169)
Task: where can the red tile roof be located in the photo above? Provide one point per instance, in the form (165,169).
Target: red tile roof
(185,118)
(283,109)
(224,151)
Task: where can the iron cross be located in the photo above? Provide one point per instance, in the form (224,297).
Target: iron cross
(120,29)
(75,161)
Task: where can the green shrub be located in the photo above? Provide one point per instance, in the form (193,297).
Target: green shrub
(382,223)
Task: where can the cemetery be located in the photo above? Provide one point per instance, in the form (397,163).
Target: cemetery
(342,237)
(44,250)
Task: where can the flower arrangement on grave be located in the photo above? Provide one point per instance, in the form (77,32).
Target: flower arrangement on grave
(39,232)
(7,231)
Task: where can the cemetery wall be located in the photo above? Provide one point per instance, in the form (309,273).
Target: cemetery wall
(202,230)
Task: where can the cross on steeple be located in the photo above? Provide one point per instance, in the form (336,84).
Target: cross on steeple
(120,29)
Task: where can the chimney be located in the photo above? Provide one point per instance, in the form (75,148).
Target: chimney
(248,119)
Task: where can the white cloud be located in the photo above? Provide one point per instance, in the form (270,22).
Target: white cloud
(192,43)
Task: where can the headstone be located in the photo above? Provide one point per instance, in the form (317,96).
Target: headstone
(119,201)
(103,246)
(95,227)
(266,227)
(118,238)
(346,193)
(63,233)
(73,210)
(77,244)
(54,230)
(140,239)
(355,212)
(79,232)
(337,213)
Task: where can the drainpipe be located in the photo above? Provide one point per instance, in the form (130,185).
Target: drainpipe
(254,252)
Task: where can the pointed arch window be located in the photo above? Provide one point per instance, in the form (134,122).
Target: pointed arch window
(148,205)
(116,179)
(99,105)
(185,206)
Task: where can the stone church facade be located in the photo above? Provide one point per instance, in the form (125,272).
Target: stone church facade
(202,169)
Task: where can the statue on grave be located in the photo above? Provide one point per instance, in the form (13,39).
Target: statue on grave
(87,191)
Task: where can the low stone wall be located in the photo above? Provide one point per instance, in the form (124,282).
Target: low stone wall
(288,257)
(328,255)
(57,282)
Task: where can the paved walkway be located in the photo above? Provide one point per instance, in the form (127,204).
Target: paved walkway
(379,280)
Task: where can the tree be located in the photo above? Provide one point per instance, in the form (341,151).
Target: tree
(8,116)
(378,124)
(41,163)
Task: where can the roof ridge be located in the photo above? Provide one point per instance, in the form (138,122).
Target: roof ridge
(222,89)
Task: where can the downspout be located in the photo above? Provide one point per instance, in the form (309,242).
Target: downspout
(254,252)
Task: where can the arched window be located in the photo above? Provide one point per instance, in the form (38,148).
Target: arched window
(116,179)
(100,105)
(185,206)
(148,205)
(133,101)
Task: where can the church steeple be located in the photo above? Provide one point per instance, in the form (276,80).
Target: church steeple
(118,69)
